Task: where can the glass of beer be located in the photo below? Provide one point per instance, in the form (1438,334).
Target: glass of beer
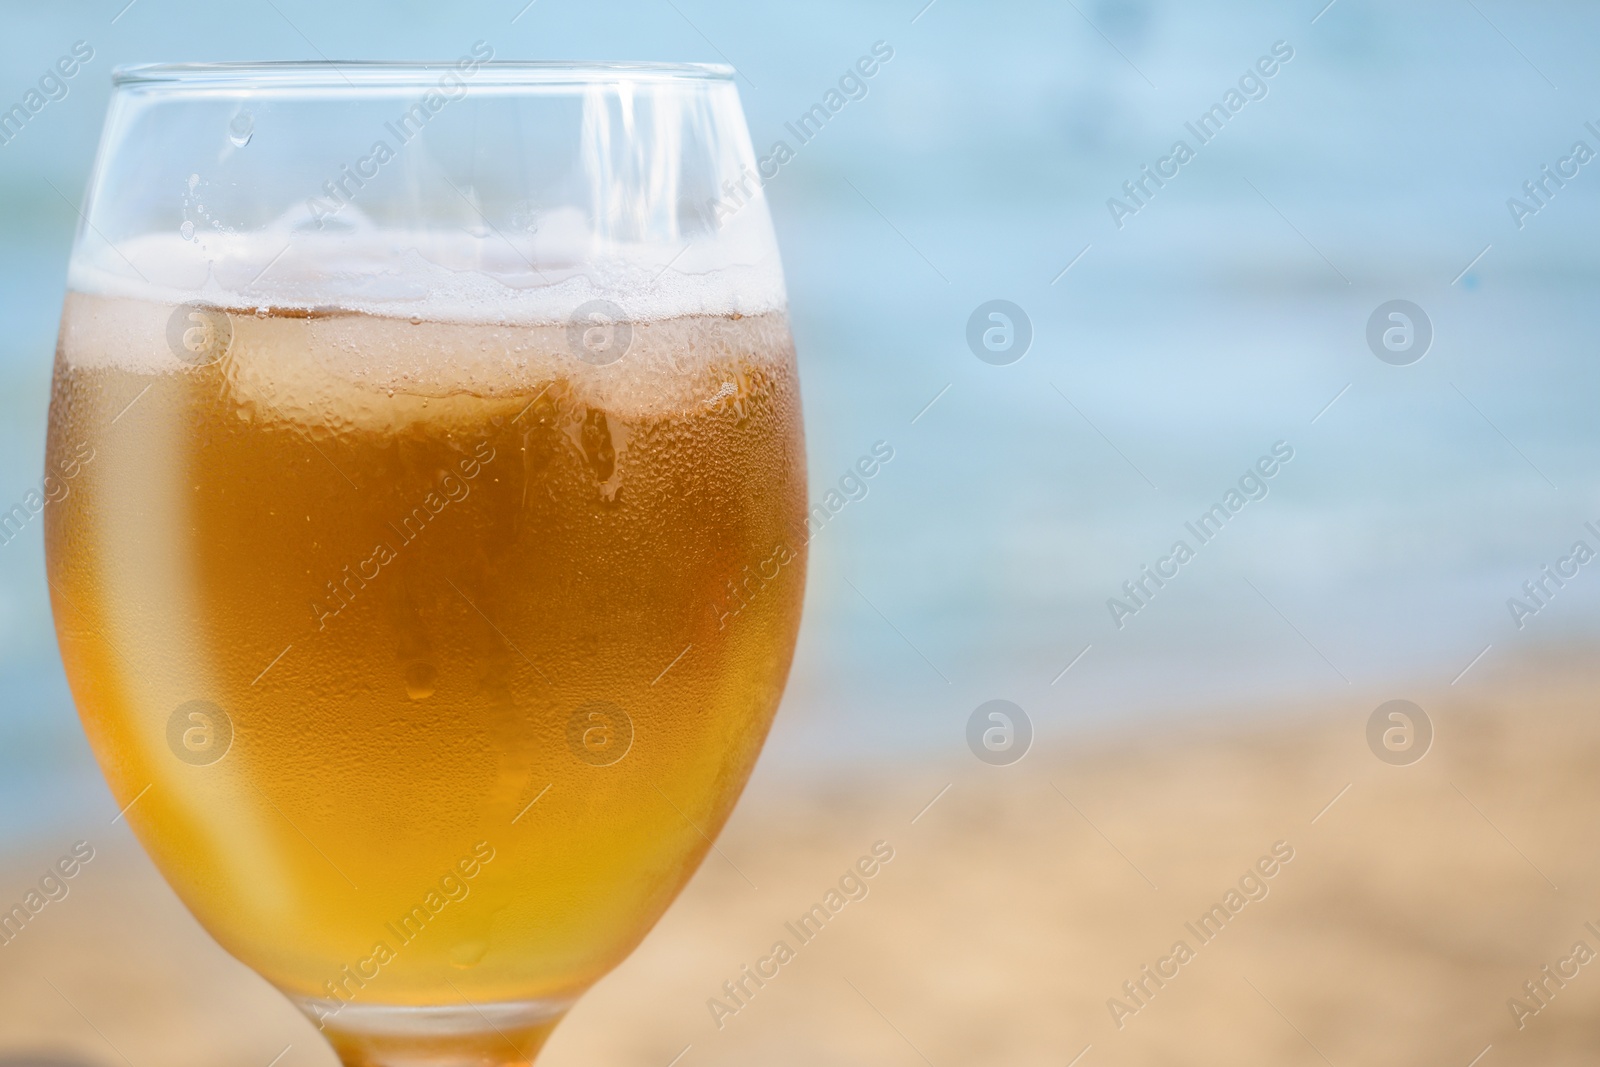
(431,549)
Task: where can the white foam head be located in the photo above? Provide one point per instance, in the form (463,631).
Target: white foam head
(477,274)
(435,313)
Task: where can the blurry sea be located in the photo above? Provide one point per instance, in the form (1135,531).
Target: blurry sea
(1226,315)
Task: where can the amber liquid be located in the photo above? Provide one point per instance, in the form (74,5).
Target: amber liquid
(426,656)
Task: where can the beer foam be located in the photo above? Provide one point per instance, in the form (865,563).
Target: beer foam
(477,274)
(339,314)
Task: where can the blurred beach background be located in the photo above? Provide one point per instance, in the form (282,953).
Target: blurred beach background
(1229,314)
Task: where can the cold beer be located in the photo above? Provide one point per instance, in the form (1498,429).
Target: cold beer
(428,655)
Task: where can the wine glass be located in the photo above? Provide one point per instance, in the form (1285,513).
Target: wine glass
(433,549)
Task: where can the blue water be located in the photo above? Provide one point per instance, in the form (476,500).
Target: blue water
(1221,318)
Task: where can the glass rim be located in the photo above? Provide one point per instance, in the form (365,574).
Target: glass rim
(369,73)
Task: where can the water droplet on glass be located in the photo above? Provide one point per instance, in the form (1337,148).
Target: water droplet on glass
(465,954)
(187,230)
(420,680)
(194,180)
(241,129)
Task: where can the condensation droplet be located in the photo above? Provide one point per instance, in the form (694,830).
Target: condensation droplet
(241,129)
(466,954)
(187,230)
(420,679)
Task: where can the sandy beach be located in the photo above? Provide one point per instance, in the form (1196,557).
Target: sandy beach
(1333,910)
